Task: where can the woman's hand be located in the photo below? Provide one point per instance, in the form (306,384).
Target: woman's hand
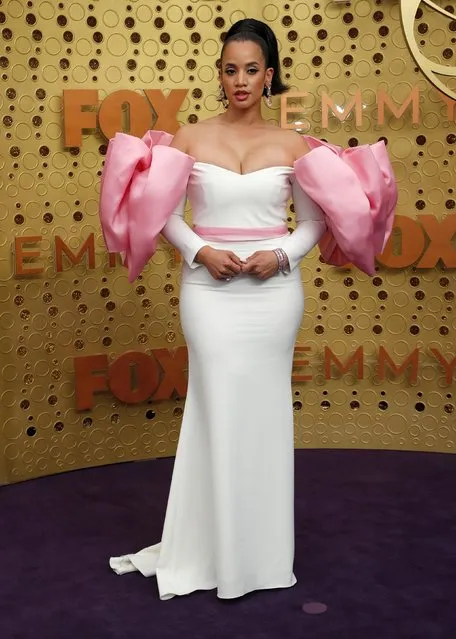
(222,265)
(262,264)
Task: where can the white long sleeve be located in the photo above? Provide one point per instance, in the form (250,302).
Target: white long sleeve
(310,227)
(180,235)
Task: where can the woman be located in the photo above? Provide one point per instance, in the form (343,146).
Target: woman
(229,520)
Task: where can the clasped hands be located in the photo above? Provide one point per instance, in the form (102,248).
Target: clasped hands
(223,265)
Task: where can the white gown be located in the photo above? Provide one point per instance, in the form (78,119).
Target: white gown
(230,519)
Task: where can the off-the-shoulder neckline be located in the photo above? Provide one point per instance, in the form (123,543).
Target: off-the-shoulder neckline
(265,168)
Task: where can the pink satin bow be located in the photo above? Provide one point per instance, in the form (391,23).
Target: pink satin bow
(356,189)
(142,183)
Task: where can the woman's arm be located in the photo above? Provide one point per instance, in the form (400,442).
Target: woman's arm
(176,230)
(220,264)
(310,220)
(310,227)
(180,235)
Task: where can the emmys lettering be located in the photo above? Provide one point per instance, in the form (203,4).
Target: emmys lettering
(26,252)
(421,242)
(355,364)
(134,377)
(134,113)
(290,105)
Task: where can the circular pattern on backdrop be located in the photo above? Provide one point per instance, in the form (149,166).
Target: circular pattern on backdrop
(23,45)
(78,309)
(111,19)
(117,44)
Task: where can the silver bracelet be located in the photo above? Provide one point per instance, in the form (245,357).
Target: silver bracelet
(282,259)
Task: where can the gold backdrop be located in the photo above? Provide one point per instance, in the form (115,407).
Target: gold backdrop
(375,358)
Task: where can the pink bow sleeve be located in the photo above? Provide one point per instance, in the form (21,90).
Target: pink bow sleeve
(357,192)
(142,183)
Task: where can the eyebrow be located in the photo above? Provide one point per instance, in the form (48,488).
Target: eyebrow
(248,64)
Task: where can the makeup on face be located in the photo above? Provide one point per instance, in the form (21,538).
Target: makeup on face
(243,72)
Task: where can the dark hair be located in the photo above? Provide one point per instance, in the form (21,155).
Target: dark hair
(251,30)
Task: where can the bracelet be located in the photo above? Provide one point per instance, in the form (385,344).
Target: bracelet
(282,259)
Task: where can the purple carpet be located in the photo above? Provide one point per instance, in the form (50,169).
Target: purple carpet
(376,545)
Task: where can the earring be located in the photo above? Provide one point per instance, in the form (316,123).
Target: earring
(222,97)
(268,96)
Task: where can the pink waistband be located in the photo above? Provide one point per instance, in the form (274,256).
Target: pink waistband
(222,233)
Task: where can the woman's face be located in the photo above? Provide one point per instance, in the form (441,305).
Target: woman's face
(243,73)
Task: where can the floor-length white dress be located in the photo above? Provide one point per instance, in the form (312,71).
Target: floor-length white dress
(229,520)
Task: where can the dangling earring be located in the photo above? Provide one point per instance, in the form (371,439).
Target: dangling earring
(222,97)
(268,96)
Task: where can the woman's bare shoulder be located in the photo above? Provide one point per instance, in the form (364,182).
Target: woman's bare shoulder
(186,135)
(294,141)
(182,138)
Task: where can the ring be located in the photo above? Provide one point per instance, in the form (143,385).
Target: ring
(227,279)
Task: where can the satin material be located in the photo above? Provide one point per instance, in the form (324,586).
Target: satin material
(229,520)
(251,203)
(144,180)
(357,191)
(142,183)
(221,233)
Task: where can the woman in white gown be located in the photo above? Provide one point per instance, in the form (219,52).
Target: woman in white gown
(229,521)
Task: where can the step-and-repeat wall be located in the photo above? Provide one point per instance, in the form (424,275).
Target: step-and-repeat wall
(93,369)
